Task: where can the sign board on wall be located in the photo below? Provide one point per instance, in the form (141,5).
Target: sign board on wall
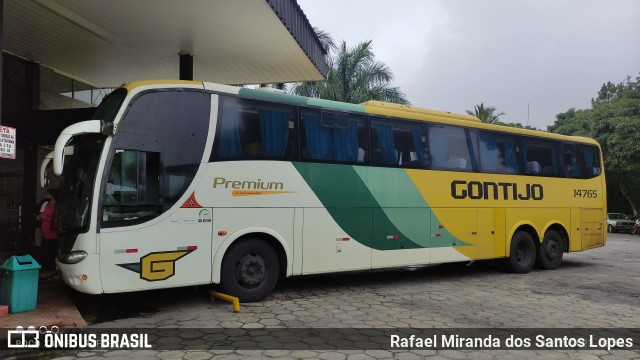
(7,142)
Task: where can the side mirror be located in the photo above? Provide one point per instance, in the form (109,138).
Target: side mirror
(44,175)
(44,179)
(84,127)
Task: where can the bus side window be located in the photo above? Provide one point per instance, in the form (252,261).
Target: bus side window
(449,147)
(333,137)
(570,166)
(498,153)
(590,158)
(251,129)
(399,144)
(541,157)
(132,193)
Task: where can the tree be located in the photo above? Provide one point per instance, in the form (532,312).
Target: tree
(329,46)
(326,40)
(516,125)
(354,76)
(614,121)
(485,114)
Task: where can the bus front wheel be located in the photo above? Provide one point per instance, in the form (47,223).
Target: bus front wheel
(523,253)
(550,252)
(250,270)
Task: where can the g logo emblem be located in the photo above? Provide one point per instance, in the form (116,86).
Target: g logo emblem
(157,266)
(160,266)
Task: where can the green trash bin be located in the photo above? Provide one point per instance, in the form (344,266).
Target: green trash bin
(19,283)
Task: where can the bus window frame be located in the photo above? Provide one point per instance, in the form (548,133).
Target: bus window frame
(362,118)
(563,165)
(106,224)
(466,131)
(520,141)
(401,123)
(525,140)
(581,163)
(294,142)
(149,146)
(517,142)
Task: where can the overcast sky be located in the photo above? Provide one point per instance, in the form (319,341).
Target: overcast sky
(453,54)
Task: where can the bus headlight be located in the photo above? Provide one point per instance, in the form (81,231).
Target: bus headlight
(74,257)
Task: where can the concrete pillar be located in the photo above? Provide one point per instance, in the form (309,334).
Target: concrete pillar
(186,66)
(1,54)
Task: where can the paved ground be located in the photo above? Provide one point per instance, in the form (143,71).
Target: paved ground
(593,289)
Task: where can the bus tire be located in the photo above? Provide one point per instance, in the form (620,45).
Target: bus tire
(550,251)
(523,253)
(250,270)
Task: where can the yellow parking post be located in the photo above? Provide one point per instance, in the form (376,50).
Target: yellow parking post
(228,298)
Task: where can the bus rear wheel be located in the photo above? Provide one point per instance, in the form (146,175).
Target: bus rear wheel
(250,270)
(550,252)
(523,253)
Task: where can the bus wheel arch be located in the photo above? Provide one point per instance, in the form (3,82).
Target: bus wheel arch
(522,249)
(249,253)
(273,238)
(250,270)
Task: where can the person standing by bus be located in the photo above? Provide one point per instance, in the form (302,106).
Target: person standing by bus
(49,236)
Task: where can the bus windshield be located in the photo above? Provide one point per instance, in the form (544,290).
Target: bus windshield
(78,179)
(80,174)
(109,106)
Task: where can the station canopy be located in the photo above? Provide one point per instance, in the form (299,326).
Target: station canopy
(108,42)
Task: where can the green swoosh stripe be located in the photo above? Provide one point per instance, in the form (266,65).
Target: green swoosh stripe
(378,207)
(350,203)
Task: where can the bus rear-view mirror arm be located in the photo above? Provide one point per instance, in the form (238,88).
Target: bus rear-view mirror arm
(84,127)
(68,150)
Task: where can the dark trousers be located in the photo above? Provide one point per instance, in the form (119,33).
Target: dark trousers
(49,253)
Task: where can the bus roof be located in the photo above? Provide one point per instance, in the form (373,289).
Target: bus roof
(369,107)
(381,106)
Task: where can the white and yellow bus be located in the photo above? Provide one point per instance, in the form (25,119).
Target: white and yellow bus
(183,183)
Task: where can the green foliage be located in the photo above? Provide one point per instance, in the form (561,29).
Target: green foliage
(326,40)
(516,125)
(353,76)
(486,114)
(614,121)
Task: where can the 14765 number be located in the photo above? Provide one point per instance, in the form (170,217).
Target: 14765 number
(583,193)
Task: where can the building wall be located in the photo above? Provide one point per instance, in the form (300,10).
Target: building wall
(36,132)
(17,111)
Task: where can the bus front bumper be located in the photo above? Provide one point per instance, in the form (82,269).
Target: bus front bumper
(83,276)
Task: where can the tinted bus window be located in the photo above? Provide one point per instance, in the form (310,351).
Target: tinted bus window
(132,194)
(570,167)
(541,157)
(399,144)
(452,148)
(250,129)
(333,137)
(499,153)
(174,124)
(590,157)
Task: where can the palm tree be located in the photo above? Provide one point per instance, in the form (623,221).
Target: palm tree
(326,40)
(354,76)
(327,44)
(485,114)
